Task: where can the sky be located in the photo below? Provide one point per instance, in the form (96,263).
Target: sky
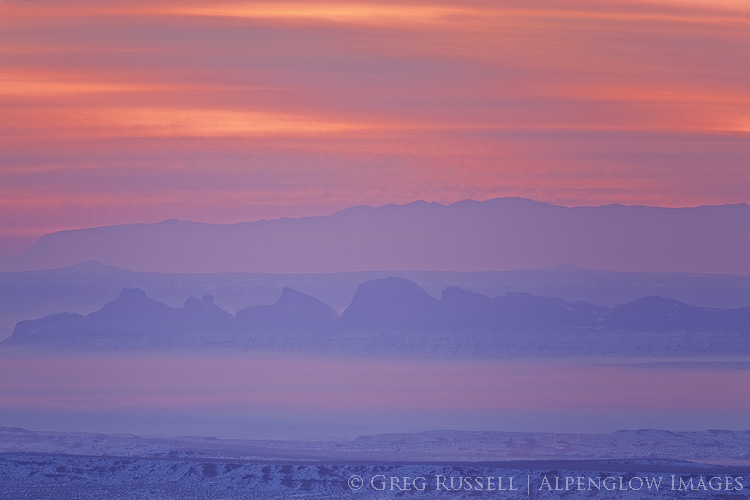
(224,111)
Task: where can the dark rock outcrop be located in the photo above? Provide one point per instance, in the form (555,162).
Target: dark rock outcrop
(293,309)
(388,303)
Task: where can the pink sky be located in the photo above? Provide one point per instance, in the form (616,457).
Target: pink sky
(139,111)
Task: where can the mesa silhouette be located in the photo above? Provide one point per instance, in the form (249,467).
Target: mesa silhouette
(396,311)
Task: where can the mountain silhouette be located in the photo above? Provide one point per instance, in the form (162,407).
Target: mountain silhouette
(394,305)
(390,302)
(464,309)
(659,314)
(203,310)
(132,314)
(48,329)
(293,308)
(133,306)
(497,234)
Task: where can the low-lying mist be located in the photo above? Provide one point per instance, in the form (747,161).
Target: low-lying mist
(285,396)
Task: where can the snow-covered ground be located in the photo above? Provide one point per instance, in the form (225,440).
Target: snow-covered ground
(436,464)
(60,477)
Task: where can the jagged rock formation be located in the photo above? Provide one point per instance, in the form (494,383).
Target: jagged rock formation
(401,316)
(293,309)
(388,303)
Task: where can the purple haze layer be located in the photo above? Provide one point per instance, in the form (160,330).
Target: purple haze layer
(317,398)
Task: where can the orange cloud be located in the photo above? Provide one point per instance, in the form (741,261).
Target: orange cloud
(363,13)
(340,103)
(216,123)
(39,84)
(168,122)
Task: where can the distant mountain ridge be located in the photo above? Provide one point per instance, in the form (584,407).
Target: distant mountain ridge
(497,234)
(390,305)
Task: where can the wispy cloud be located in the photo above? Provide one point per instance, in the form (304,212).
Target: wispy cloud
(574,102)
